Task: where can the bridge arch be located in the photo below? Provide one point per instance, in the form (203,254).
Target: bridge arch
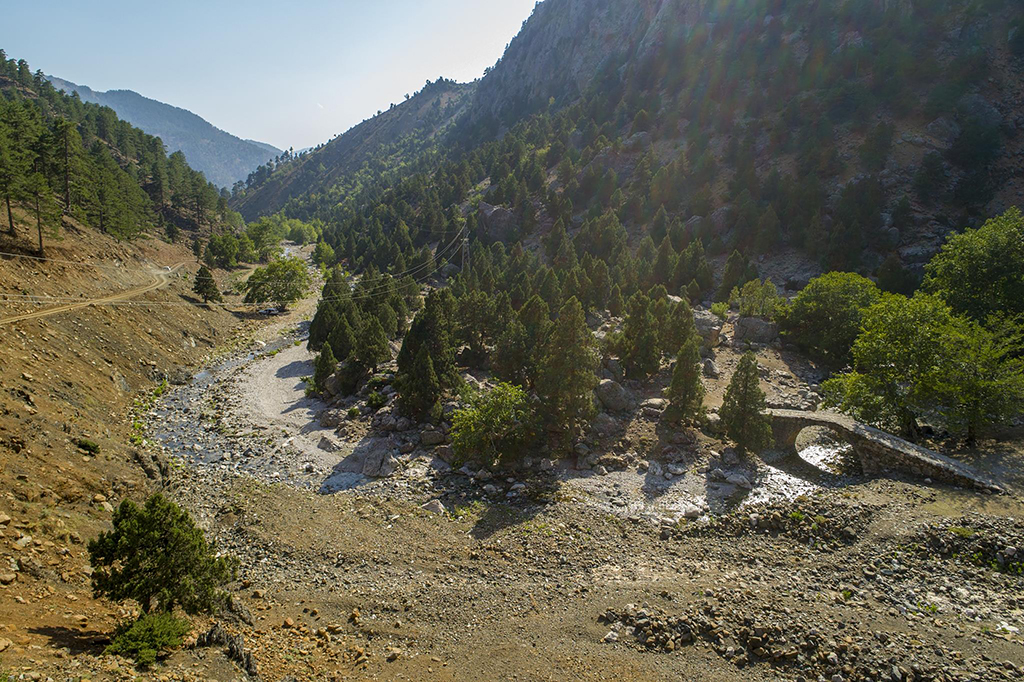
(876,450)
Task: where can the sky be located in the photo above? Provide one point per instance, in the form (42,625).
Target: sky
(292,73)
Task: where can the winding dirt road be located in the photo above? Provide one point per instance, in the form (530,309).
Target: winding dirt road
(160,280)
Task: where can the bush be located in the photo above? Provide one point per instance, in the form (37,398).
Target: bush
(496,426)
(721,309)
(89,446)
(757,299)
(353,412)
(376,400)
(159,558)
(143,639)
(826,315)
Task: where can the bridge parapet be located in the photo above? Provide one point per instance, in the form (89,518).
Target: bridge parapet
(877,450)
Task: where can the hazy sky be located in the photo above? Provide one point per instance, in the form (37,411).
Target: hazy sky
(289,72)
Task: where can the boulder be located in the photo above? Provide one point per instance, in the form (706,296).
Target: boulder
(431,438)
(711,369)
(498,223)
(604,424)
(434,507)
(179,376)
(708,325)
(756,330)
(976,108)
(614,397)
(328,445)
(445,453)
(331,419)
(638,142)
(333,385)
(378,457)
(945,130)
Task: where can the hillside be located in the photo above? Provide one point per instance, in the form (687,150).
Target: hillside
(222,157)
(71,160)
(385,142)
(769,126)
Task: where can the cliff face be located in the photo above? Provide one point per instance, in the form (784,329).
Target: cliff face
(562,47)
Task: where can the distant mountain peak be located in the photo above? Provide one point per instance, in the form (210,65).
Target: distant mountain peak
(222,157)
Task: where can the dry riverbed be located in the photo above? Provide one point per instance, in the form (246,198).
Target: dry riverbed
(699,564)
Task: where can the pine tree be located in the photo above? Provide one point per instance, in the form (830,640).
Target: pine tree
(743,410)
(679,327)
(372,347)
(664,263)
(566,379)
(205,286)
(686,392)
(615,302)
(420,389)
(640,351)
(325,366)
(511,360)
(342,338)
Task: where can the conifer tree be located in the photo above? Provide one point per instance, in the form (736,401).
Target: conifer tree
(686,392)
(326,364)
(372,347)
(664,263)
(743,410)
(615,302)
(511,360)
(679,327)
(205,286)
(640,352)
(566,380)
(342,338)
(420,389)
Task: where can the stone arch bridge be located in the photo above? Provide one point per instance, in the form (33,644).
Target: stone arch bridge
(877,450)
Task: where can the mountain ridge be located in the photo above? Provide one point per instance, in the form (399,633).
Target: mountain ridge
(224,158)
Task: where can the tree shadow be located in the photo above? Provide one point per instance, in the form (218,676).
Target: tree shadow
(295,370)
(498,514)
(77,641)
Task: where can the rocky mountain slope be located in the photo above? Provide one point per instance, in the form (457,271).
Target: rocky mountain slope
(869,128)
(222,157)
(394,136)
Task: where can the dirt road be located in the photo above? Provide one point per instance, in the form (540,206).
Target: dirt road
(160,280)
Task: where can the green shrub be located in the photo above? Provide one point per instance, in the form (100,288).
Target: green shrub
(721,309)
(158,557)
(143,639)
(757,299)
(826,316)
(376,400)
(89,446)
(496,426)
(353,412)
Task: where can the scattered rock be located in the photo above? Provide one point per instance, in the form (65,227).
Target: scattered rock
(434,507)
(614,397)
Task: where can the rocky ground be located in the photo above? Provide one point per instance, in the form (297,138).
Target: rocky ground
(367,552)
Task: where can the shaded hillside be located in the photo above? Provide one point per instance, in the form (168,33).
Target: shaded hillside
(846,131)
(222,157)
(381,143)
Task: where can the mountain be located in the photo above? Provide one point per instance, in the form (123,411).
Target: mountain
(398,134)
(68,158)
(222,157)
(843,132)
